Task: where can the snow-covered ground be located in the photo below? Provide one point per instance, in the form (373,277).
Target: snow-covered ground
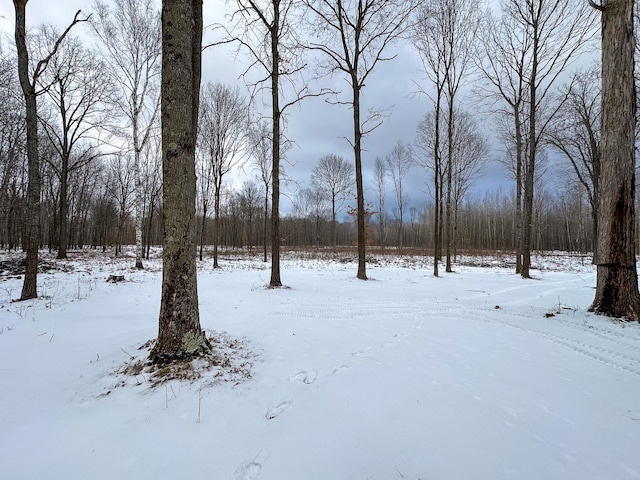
(478,374)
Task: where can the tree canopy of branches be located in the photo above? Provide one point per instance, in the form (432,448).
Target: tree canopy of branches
(28,83)
(129,32)
(446,38)
(575,132)
(353,36)
(223,141)
(260,144)
(78,90)
(398,162)
(265,30)
(525,52)
(334,177)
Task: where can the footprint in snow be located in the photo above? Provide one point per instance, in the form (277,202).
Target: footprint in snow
(251,469)
(273,412)
(306,376)
(339,368)
(359,353)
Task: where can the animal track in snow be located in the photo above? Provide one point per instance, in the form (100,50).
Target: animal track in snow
(251,469)
(306,376)
(273,412)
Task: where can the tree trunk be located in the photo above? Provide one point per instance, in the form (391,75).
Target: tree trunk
(275,151)
(179,334)
(266,219)
(139,208)
(617,279)
(529,178)
(63,232)
(32,230)
(357,148)
(149,228)
(450,121)
(216,222)
(437,188)
(333,223)
(203,227)
(518,221)
(527,218)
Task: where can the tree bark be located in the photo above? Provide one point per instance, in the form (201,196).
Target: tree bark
(265,221)
(529,179)
(63,233)
(357,147)
(179,334)
(450,141)
(216,221)
(518,221)
(617,278)
(275,151)
(32,230)
(437,161)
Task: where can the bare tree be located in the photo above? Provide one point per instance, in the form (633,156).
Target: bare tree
(28,82)
(333,176)
(429,142)
(249,199)
(266,32)
(469,151)
(398,162)
(446,39)
(533,45)
(12,129)
(312,204)
(575,132)
(78,90)
(222,136)
(617,278)
(260,144)
(151,174)
(353,36)
(121,188)
(129,31)
(379,180)
(179,333)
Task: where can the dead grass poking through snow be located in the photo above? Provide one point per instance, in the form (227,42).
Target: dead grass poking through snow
(230,362)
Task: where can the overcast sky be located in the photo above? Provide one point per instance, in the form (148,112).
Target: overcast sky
(316,127)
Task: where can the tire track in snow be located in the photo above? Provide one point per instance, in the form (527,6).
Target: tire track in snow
(621,361)
(612,356)
(350,310)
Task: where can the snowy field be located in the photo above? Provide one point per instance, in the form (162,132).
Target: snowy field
(478,374)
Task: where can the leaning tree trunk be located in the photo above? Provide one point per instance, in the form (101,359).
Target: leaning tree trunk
(32,231)
(617,279)
(179,334)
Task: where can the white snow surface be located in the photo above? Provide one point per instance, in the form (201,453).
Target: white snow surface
(477,374)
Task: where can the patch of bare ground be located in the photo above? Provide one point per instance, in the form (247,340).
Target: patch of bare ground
(230,362)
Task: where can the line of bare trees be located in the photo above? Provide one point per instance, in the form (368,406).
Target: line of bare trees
(98,110)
